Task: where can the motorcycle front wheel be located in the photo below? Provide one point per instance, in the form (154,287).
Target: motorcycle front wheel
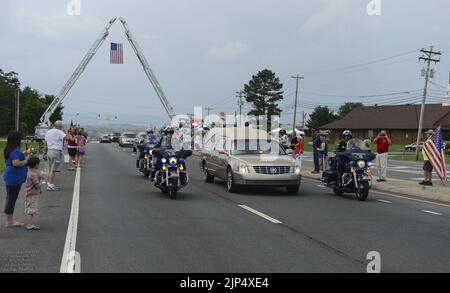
(363,192)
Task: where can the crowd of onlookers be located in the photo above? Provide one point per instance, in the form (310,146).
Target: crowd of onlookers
(24,167)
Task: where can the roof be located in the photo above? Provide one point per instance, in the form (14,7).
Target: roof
(391,117)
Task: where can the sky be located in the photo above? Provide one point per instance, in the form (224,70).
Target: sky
(203,51)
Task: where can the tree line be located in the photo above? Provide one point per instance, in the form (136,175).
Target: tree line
(32,105)
(264,92)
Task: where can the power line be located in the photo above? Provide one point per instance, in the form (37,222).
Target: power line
(364,64)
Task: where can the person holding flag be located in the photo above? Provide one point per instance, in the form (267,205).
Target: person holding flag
(434,157)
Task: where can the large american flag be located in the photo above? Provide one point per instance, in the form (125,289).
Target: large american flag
(435,150)
(116,53)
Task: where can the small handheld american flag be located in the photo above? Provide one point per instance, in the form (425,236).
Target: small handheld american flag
(435,150)
(116,56)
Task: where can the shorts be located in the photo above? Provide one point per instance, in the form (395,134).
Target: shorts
(427,167)
(72,151)
(81,152)
(54,160)
(32,205)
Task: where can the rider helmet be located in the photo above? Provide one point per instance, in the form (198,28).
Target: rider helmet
(347,134)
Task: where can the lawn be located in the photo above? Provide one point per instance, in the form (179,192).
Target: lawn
(2,146)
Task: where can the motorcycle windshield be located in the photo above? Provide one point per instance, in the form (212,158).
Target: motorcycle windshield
(357,145)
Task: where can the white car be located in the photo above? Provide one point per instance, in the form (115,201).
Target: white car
(127,139)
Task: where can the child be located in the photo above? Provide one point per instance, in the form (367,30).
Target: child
(33,191)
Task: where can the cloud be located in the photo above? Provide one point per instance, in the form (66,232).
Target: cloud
(329,14)
(231,50)
(54,26)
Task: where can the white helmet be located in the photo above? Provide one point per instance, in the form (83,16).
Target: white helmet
(347,133)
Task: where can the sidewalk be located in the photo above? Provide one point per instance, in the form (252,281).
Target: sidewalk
(436,193)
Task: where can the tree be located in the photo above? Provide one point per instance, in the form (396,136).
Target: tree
(320,116)
(264,91)
(347,107)
(32,106)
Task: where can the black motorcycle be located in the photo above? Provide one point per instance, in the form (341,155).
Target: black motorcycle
(170,173)
(350,171)
(144,160)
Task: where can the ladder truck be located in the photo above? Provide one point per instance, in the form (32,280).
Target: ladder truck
(44,124)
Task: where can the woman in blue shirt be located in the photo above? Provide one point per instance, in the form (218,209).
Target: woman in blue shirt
(15,175)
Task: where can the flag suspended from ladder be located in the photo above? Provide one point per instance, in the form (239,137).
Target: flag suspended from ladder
(116,56)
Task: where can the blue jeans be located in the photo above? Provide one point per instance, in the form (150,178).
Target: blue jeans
(316,161)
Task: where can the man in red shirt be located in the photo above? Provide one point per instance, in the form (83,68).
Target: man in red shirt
(383,142)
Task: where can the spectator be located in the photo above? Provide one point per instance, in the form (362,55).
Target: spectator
(427,167)
(284,139)
(323,152)
(383,142)
(316,146)
(81,142)
(54,143)
(34,190)
(298,151)
(14,176)
(72,148)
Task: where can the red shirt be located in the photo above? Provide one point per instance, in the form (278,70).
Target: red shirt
(382,145)
(299,148)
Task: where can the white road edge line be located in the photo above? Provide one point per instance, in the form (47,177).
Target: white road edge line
(384,201)
(432,213)
(67,262)
(268,218)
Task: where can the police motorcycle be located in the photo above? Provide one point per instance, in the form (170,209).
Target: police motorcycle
(144,160)
(350,170)
(169,173)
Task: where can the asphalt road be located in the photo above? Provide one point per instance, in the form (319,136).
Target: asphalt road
(127,225)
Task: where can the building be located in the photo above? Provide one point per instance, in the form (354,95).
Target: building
(401,122)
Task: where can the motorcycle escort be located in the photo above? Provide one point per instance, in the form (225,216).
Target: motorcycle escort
(145,162)
(170,173)
(350,171)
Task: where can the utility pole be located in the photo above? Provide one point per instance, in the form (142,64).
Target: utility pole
(17,108)
(209,109)
(428,57)
(303,121)
(240,95)
(297,78)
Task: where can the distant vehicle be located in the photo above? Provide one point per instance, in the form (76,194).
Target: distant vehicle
(127,139)
(413,147)
(140,137)
(115,136)
(105,138)
(230,155)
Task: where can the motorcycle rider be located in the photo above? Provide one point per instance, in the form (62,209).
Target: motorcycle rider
(346,137)
(150,139)
(165,144)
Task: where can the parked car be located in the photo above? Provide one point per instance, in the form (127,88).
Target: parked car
(115,136)
(413,147)
(127,139)
(140,137)
(105,138)
(233,155)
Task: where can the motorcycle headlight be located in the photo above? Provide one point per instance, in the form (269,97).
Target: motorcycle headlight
(163,160)
(361,164)
(173,161)
(243,168)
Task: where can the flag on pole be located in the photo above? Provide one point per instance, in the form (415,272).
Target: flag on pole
(116,56)
(435,150)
